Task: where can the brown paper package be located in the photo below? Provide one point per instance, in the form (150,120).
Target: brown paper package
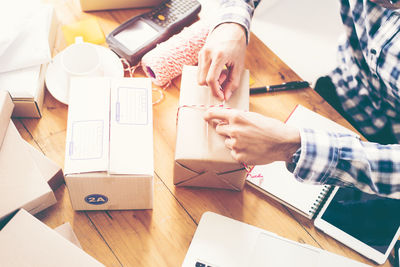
(201,158)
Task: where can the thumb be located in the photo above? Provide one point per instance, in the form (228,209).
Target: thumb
(233,81)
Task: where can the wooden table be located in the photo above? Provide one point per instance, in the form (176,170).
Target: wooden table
(161,237)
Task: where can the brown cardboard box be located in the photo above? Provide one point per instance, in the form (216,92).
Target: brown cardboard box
(26,241)
(22,185)
(65,230)
(6,109)
(109,146)
(201,158)
(52,173)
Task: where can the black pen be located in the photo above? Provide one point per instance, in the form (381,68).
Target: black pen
(279,87)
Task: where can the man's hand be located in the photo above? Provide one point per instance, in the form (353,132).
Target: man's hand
(254,139)
(225,46)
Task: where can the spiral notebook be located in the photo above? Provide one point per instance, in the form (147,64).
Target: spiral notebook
(276,181)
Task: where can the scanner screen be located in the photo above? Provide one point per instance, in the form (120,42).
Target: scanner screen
(136,35)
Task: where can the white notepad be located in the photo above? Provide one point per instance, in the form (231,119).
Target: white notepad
(276,181)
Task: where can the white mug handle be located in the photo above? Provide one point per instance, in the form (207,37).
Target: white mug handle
(78,39)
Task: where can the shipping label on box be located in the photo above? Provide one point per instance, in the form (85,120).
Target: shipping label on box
(201,158)
(109,147)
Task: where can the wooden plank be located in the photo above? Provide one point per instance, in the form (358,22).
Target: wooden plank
(158,237)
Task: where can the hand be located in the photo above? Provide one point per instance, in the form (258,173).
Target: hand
(254,139)
(225,46)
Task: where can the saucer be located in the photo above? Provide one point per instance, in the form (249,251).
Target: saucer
(57,78)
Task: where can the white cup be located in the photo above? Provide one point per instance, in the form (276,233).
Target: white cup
(81,60)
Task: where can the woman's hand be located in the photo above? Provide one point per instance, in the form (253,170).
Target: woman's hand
(225,47)
(254,139)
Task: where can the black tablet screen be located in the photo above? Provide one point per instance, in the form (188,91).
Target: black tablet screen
(372,220)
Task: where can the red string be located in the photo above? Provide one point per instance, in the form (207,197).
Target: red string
(198,107)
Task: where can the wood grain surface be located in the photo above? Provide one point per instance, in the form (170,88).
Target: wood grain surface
(161,237)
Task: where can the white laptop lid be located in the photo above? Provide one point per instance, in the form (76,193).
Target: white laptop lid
(220,241)
(366,223)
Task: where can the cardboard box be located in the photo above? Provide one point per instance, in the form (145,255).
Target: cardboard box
(22,184)
(26,241)
(52,173)
(109,146)
(65,230)
(26,85)
(6,108)
(201,158)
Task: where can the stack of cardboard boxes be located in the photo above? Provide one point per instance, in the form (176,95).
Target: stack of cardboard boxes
(25,173)
(27,181)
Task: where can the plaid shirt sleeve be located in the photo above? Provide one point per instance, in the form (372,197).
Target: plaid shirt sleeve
(237,11)
(344,160)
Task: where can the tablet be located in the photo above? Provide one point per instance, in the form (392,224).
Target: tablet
(366,223)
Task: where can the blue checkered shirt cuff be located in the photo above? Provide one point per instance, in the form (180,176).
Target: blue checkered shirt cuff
(318,157)
(236,11)
(342,159)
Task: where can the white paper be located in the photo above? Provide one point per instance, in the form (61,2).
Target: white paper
(31,46)
(303,33)
(88,125)
(132,105)
(13,19)
(131,143)
(277,180)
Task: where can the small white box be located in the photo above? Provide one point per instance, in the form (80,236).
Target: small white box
(26,85)
(26,241)
(109,146)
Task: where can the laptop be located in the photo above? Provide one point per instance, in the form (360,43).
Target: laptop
(93,5)
(220,241)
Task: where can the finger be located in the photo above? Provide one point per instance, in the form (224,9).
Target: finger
(239,156)
(223,76)
(223,129)
(213,77)
(230,143)
(222,114)
(232,82)
(203,67)
(236,155)
(214,123)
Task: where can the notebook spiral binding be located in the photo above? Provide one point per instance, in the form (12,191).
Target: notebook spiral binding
(321,199)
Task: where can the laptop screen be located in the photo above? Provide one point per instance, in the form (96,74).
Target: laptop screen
(371,219)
